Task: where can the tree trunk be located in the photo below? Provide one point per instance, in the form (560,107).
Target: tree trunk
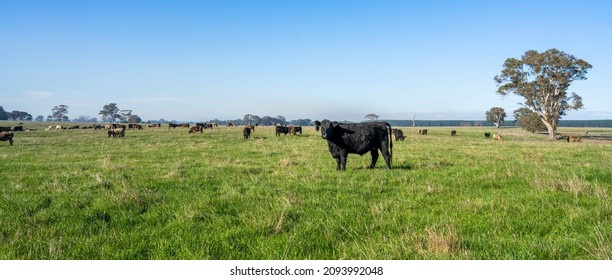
(552,130)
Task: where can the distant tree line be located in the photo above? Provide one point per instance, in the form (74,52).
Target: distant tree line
(14,115)
(484,123)
(110,110)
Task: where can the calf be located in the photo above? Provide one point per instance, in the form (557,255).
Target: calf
(487,134)
(293,130)
(246,132)
(453,133)
(399,134)
(498,137)
(423,131)
(359,138)
(571,139)
(6,136)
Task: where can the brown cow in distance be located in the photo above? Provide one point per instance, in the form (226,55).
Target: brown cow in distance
(195,129)
(498,137)
(6,136)
(571,139)
(116,132)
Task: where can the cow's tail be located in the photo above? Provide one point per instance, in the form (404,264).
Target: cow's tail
(390,141)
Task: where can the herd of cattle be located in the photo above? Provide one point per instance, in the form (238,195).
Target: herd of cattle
(342,138)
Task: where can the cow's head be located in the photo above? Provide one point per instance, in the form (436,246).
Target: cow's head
(327,128)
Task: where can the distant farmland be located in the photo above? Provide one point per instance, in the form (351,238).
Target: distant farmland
(162,193)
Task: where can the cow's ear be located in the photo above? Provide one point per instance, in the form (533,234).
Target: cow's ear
(334,124)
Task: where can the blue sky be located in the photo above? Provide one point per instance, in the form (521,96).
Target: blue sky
(201,60)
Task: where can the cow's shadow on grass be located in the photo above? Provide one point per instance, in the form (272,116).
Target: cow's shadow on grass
(404,166)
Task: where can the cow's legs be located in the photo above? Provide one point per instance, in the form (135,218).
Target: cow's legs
(343,158)
(374,157)
(11,141)
(338,162)
(386,155)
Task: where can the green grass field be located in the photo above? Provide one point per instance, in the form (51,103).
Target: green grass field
(166,194)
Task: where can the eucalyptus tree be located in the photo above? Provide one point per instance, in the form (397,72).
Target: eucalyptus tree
(543,79)
(496,116)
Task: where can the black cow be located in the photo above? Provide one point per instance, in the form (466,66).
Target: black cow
(281,129)
(487,134)
(5,128)
(358,138)
(5,136)
(453,133)
(423,131)
(246,132)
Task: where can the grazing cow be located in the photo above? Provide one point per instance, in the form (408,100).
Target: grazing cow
(185,125)
(281,129)
(172,125)
(250,126)
(196,129)
(6,136)
(487,134)
(498,137)
(571,139)
(453,133)
(97,126)
(399,134)
(423,131)
(246,132)
(5,128)
(18,128)
(74,127)
(293,130)
(116,132)
(205,125)
(49,128)
(358,138)
(135,126)
(59,127)
(154,125)
(230,124)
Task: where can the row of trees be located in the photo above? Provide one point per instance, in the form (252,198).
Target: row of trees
(542,79)
(14,115)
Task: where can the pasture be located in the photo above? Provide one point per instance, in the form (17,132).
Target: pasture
(162,193)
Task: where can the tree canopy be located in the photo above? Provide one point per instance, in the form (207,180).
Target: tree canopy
(59,113)
(528,120)
(110,112)
(543,79)
(3,114)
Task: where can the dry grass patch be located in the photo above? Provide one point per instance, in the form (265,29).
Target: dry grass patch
(442,242)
